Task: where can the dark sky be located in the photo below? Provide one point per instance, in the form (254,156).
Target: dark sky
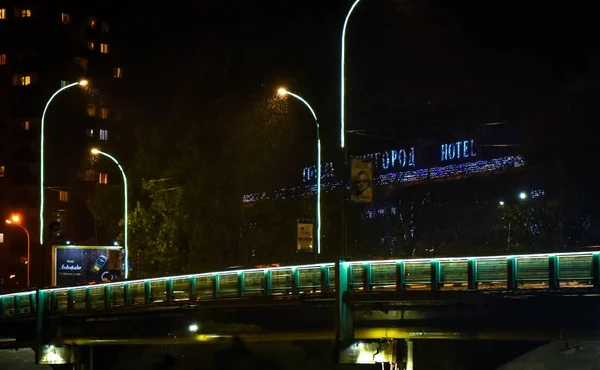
(413,66)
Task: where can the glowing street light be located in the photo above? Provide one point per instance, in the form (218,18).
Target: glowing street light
(522,195)
(282,92)
(343,79)
(501,203)
(80,83)
(343,121)
(126,251)
(16,220)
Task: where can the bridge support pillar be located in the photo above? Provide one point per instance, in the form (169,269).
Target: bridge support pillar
(409,355)
(344,324)
(40,300)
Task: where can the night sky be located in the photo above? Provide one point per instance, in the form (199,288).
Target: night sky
(416,68)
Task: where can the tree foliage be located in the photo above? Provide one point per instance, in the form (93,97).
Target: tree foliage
(191,177)
(157,243)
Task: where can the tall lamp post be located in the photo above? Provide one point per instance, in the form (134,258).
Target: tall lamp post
(16,220)
(283,92)
(126,251)
(80,83)
(343,122)
(343,78)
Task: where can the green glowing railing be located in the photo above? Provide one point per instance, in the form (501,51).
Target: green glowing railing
(519,272)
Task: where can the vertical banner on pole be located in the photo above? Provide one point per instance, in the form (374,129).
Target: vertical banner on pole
(305,235)
(362,181)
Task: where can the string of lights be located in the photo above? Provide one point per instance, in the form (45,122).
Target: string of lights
(405,177)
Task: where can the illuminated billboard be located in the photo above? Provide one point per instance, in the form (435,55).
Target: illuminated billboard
(79,265)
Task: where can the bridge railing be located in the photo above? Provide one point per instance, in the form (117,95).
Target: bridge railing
(538,271)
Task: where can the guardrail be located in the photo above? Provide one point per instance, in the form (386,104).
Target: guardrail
(534,271)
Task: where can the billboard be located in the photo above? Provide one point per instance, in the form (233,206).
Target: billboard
(79,265)
(362,181)
(305,235)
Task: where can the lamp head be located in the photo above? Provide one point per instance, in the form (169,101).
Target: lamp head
(9,222)
(15,218)
(281,91)
(95,151)
(83,83)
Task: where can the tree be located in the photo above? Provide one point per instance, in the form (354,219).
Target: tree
(528,226)
(157,244)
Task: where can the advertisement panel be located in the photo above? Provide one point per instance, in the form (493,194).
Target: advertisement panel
(80,265)
(305,236)
(362,181)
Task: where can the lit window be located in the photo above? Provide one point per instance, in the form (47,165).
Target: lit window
(89,132)
(66,19)
(103,178)
(26,125)
(118,72)
(25,80)
(25,13)
(104,113)
(92,22)
(63,196)
(91,110)
(104,27)
(2,13)
(104,48)
(2,59)
(103,135)
(1,171)
(91,45)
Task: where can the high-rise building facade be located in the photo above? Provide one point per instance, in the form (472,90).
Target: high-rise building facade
(45,45)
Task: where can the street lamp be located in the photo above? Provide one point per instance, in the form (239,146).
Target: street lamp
(80,83)
(343,122)
(343,79)
(16,220)
(283,92)
(126,251)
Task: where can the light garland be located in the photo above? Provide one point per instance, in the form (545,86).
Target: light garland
(405,177)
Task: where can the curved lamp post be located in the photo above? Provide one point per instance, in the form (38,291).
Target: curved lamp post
(81,83)
(343,122)
(16,220)
(126,251)
(343,79)
(283,92)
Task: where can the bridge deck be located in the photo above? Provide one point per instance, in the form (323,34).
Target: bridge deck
(516,272)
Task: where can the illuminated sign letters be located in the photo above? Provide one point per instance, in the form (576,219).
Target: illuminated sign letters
(392,159)
(384,161)
(458,150)
(310,173)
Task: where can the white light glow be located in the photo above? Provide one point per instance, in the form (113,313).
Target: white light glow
(283,91)
(42,157)
(125,215)
(193,328)
(343,79)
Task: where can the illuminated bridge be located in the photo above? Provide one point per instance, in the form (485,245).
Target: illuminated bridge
(518,297)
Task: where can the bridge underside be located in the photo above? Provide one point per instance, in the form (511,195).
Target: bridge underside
(400,315)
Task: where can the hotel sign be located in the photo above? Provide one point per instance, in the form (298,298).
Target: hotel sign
(384,162)
(398,160)
(458,150)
